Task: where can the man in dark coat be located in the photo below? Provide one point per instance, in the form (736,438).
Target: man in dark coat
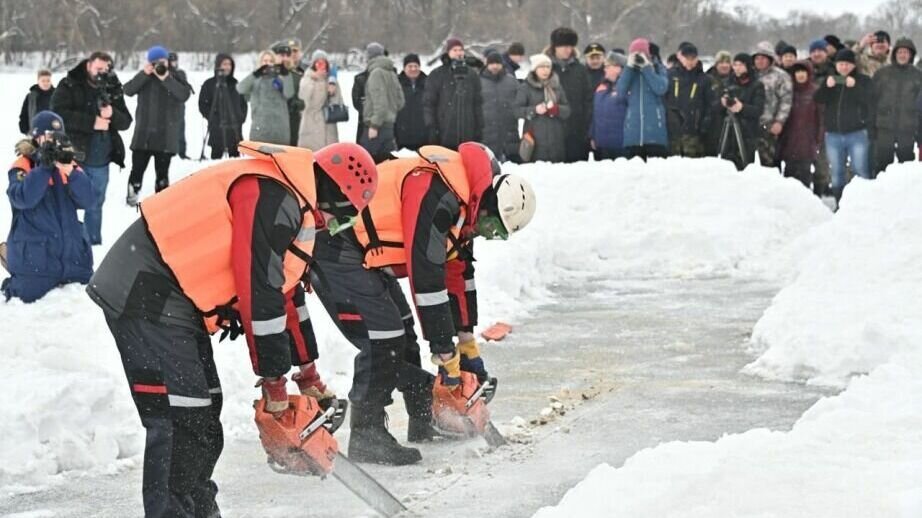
(688,104)
(745,98)
(452,103)
(161,95)
(514,57)
(500,125)
(91,103)
(719,75)
(410,129)
(47,246)
(594,55)
(896,88)
(574,79)
(38,99)
(224,109)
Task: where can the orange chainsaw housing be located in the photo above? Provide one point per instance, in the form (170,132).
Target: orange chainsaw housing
(449,407)
(280,437)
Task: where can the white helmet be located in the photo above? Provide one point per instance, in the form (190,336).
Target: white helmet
(515,200)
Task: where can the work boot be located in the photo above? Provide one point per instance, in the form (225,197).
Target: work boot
(132,198)
(418,401)
(371,442)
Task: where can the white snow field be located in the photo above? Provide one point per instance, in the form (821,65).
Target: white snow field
(854,307)
(68,420)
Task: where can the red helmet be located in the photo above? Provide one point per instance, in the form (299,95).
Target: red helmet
(353,170)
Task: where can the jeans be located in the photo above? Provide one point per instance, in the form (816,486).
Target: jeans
(92,218)
(839,146)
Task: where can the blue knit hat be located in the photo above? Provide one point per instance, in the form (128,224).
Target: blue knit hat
(818,44)
(156,53)
(45,121)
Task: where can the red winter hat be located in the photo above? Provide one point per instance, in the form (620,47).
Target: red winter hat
(640,45)
(451,43)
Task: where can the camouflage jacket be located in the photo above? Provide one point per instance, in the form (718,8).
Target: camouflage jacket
(779,95)
(868,64)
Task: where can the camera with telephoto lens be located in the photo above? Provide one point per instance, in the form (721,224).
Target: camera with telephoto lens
(108,87)
(160,68)
(57,147)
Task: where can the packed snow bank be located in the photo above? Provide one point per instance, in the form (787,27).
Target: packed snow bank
(856,302)
(858,454)
(853,308)
(65,402)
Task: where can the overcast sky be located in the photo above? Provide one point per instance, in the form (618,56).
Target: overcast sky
(834,7)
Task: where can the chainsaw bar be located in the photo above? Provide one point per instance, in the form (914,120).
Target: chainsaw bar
(366,487)
(492,436)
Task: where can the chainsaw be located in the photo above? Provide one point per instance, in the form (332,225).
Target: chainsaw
(299,441)
(461,411)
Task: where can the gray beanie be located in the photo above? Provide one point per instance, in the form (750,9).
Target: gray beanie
(616,58)
(373,50)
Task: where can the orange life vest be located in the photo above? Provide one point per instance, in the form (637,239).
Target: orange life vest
(24,164)
(380,228)
(191,223)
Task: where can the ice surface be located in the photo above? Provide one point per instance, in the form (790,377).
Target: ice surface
(853,307)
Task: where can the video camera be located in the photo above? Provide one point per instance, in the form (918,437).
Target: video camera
(57,147)
(109,87)
(731,92)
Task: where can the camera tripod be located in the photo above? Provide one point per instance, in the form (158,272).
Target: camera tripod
(222,104)
(731,123)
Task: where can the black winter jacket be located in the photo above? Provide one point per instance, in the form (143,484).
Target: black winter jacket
(689,102)
(846,109)
(410,129)
(895,90)
(77,102)
(453,104)
(36,100)
(159,112)
(223,107)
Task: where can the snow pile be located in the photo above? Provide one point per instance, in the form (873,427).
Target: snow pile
(852,308)
(855,303)
(855,455)
(65,401)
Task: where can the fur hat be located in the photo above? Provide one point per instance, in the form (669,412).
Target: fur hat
(764,48)
(539,60)
(832,39)
(723,56)
(564,37)
(743,58)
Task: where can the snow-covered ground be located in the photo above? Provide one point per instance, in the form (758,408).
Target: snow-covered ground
(67,412)
(853,308)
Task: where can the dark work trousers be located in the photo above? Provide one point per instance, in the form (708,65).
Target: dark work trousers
(380,147)
(218,152)
(647,151)
(800,170)
(886,144)
(175,386)
(139,161)
(371,310)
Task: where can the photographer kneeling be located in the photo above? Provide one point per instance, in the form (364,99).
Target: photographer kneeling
(47,245)
(743,99)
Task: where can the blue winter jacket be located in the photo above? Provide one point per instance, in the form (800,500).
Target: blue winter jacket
(645,123)
(47,245)
(608,111)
